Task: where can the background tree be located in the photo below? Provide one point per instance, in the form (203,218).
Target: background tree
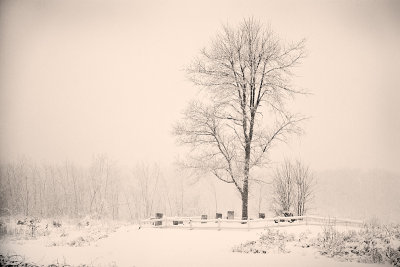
(148,182)
(283,188)
(304,187)
(246,72)
(293,188)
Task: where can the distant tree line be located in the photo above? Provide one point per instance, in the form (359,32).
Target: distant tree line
(104,190)
(101,190)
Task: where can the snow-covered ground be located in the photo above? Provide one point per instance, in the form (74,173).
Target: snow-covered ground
(128,245)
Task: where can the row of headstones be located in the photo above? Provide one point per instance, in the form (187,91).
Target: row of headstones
(230,216)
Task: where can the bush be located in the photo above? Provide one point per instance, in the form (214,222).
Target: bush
(272,240)
(374,243)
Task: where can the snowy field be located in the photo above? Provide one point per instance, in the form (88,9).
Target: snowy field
(109,244)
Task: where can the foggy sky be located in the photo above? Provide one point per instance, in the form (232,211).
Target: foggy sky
(79,78)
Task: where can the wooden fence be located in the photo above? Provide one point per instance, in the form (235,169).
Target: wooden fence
(198,223)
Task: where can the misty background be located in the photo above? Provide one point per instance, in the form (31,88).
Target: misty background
(80,79)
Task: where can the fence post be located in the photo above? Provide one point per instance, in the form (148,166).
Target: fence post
(219,224)
(190,223)
(248,224)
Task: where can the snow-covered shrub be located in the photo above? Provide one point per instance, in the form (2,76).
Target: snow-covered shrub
(332,242)
(18,228)
(373,243)
(75,235)
(20,261)
(11,260)
(393,256)
(271,241)
(304,240)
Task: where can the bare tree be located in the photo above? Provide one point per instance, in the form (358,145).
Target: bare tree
(246,72)
(261,195)
(293,188)
(102,176)
(283,188)
(148,183)
(304,184)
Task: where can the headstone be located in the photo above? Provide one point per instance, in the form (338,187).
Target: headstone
(218,215)
(158,216)
(203,217)
(231,215)
(261,215)
(175,222)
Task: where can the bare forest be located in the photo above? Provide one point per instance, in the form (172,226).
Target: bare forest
(101,190)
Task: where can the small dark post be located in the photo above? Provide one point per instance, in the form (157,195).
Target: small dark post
(204,217)
(261,215)
(231,215)
(218,215)
(158,216)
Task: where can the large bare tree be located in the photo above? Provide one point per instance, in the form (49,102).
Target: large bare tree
(246,75)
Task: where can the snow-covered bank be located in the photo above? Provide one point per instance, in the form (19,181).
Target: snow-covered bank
(129,246)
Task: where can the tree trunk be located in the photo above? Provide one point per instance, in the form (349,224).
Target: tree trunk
(245,200)
(245,191)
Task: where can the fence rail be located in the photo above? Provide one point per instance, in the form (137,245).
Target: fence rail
(280,221)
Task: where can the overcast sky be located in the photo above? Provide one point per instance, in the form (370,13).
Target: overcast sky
(79,78)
